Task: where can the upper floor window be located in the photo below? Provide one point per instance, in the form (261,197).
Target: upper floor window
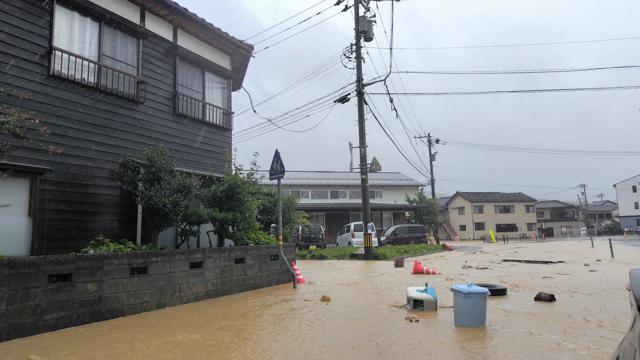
(203,95)
(300,194)
(461,210)
(505,209)
(478,209)
(634,188)
(93,53)
(636,205)
(529,208)
(319,194)
(375,194)
(338,194)
(540,214)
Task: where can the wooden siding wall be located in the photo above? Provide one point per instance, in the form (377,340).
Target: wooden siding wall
(82,197)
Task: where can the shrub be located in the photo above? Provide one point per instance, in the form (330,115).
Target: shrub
(101,244)
(260,238)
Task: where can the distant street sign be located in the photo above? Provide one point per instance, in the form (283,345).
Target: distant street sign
(276,171)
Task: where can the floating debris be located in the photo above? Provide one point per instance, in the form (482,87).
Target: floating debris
(412,319)
(525,261)
(543,296)
(587,264)
(325,299)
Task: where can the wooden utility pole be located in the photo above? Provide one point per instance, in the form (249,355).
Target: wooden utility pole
(432,180)
(364,165)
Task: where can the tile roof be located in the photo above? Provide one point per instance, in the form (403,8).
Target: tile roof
(342,178)
(548,204)
(478,197)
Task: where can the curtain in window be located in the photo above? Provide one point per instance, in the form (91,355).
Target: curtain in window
(190,84)
(79,35)
(120,52)
(217,90)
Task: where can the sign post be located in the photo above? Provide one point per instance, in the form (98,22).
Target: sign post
(276,172)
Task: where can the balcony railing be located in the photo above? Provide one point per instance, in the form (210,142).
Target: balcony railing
(199,109)
(91,73)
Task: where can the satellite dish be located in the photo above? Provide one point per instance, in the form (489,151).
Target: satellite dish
(375,165)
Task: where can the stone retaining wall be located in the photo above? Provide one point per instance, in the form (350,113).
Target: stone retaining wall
(45,293)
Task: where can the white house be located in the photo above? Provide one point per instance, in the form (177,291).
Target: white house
(628,194)
(334,198)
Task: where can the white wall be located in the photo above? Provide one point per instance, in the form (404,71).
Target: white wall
(199,47)
(390,194)
(158,26)
(123,8)
(15,223)
(626,197)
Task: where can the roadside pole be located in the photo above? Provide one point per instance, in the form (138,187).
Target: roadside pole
(433,179)
(362,135)
(276,172)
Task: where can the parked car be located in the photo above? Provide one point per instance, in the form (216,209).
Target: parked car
(310,235)
(404,234)
(353,235)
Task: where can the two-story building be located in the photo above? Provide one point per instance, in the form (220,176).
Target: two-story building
(628,195)
(472,215)
(558,219)
(334,198)
(109,79)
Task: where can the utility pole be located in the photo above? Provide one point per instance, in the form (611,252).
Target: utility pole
(364,168)
(586,210)
(432,180)
(600,196)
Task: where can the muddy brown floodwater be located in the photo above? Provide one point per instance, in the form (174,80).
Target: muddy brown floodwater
(363,318)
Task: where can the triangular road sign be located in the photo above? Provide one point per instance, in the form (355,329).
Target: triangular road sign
(276,171)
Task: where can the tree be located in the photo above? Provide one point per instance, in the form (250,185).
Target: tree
(18,126)
(268,212)
(426,212)
(162,191)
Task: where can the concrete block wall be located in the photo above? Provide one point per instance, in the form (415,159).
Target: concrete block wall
(45,293)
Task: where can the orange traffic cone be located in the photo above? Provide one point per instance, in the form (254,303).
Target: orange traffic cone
(299,277)
(417,267)
(429,271)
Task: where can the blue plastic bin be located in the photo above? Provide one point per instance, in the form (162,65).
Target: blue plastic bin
(469,305)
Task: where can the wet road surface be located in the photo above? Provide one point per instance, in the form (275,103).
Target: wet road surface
(363,319)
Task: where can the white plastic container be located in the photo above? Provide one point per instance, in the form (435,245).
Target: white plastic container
(469,305)
(422,298)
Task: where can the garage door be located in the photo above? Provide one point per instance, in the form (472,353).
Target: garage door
(15,222)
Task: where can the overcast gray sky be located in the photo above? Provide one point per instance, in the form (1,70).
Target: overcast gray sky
(602,120)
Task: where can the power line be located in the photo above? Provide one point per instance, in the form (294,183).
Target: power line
(530,150)
(295,25)
(297,33)
(283,21)
(314,74)
(520,91)
(394,143)
(518,45)
(508,72)
(293,115)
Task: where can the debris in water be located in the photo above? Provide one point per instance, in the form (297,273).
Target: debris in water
(593,270)
(547,277)
(543,296)
(598,260)
(448,278)
(398,262)
(325,299)
(412,319)
(482,268)
(467,266)
(587,264)
(544,262)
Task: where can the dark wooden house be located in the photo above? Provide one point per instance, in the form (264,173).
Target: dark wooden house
(109,79)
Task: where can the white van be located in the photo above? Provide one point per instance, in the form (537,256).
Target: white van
(353,235)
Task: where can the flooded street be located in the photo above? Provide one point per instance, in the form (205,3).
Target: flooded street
(363,318)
